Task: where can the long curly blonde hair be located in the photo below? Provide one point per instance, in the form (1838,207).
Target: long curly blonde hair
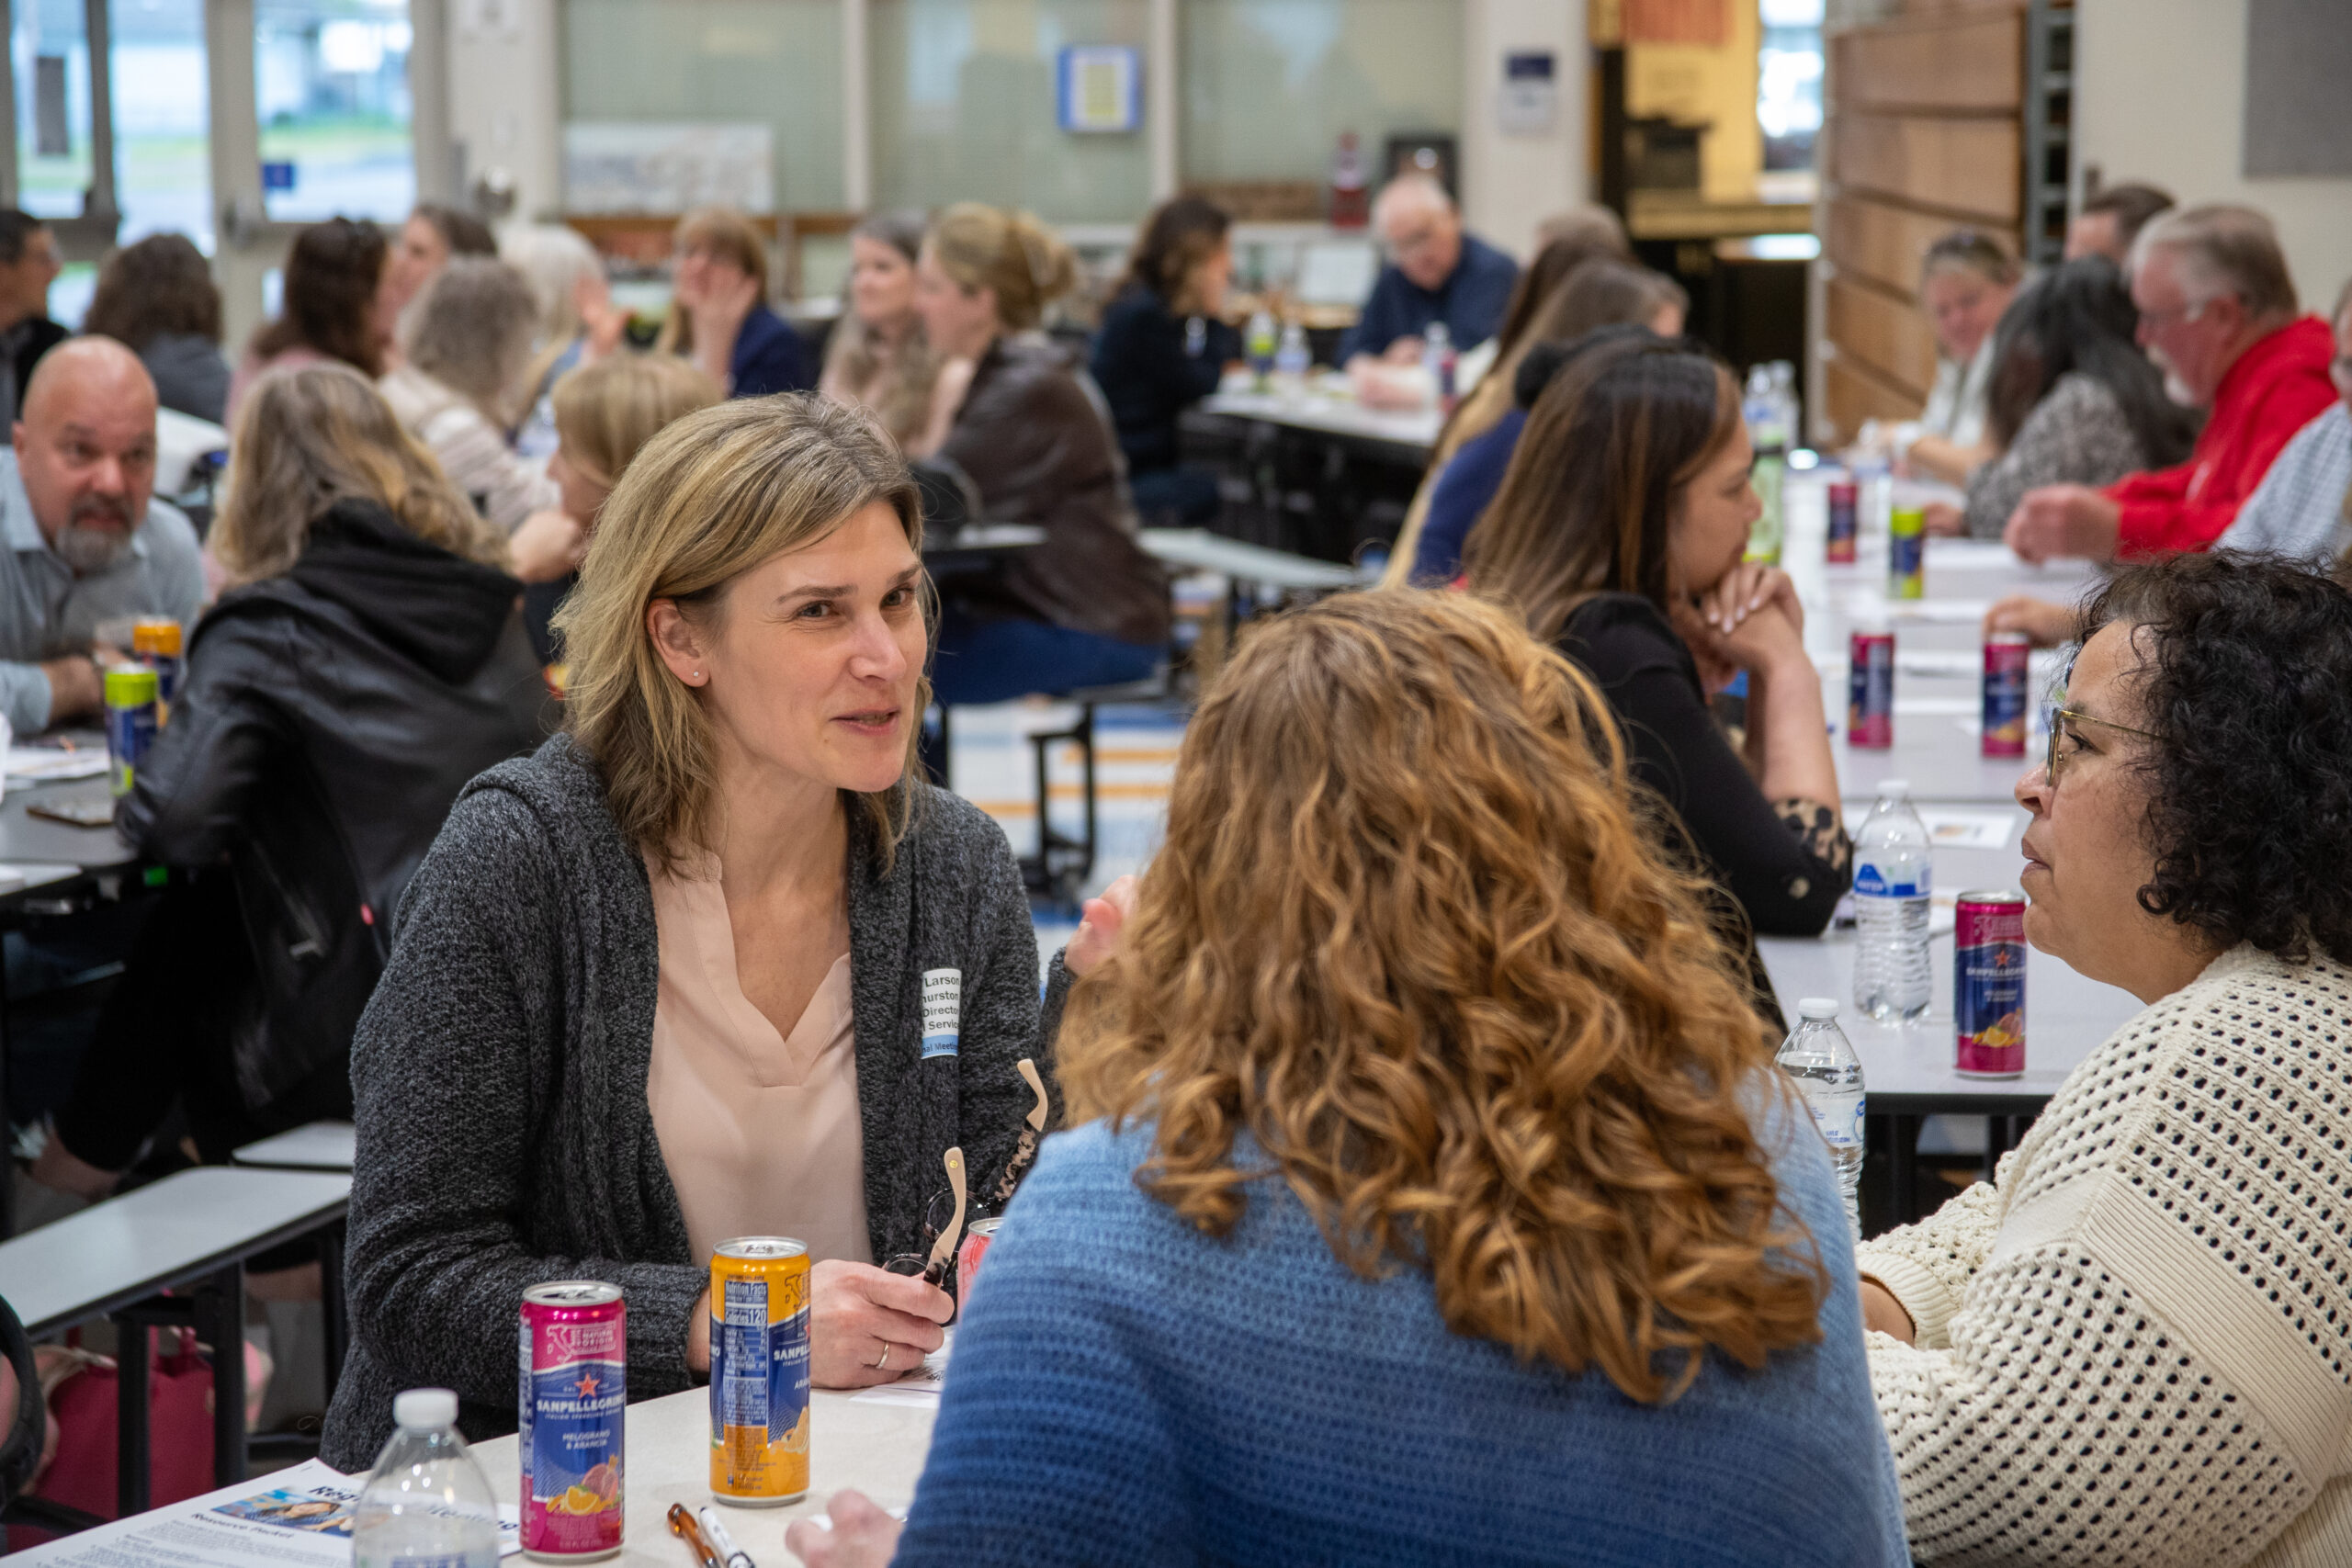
(1408,934)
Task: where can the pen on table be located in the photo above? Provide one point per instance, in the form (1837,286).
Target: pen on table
(682,1524)
(734,1555)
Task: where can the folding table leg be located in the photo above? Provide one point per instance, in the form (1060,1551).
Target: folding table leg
(134,1457)
(223,1311)
(331,1297)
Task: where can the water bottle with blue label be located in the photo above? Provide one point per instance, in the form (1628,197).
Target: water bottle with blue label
(1893,884)
(1821,1061)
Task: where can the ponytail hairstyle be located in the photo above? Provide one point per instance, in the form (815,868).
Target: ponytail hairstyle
(990,247)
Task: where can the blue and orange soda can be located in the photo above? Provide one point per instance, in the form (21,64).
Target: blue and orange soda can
(759,1372)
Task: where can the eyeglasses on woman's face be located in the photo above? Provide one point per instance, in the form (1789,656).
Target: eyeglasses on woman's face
(2061,747)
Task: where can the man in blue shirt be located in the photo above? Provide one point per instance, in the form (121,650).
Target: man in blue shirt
(83,544)
(1435,273)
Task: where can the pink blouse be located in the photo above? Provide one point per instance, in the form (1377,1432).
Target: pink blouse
(760,1131)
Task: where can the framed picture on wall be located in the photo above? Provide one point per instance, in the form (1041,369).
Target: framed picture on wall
(1100,89)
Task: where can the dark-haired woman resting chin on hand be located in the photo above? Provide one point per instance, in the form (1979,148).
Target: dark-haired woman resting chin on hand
(1630,563)
(2128,1346)
(712,964)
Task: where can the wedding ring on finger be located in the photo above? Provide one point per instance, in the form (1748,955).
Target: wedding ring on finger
(882,1362)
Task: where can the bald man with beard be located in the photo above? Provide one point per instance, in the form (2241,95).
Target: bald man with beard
(82,540)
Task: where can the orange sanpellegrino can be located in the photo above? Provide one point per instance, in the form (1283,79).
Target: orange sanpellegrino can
(759,1372)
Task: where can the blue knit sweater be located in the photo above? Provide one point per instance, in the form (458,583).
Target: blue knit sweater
(1125,1390)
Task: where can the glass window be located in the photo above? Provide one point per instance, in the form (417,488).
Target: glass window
(162,181)
(965,107)
(1269,85)
(1787,81)
(769,63)
(331,90)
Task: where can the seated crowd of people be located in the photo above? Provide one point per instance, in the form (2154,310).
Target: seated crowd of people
(545,794)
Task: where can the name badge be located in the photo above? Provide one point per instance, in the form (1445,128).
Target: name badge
(943,1011)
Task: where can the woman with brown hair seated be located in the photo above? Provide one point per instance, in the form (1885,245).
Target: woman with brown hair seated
(1441,1201)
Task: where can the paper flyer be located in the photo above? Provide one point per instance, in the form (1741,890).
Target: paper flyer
(300,1516)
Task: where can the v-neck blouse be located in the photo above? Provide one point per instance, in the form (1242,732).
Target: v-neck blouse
(760,1131)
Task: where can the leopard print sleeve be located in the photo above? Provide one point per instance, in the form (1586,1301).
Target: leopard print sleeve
(1819,828)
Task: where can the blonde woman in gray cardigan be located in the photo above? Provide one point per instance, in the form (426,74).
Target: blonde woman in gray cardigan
(2133,1346)
(716,962)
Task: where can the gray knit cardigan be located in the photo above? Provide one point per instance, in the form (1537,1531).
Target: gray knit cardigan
(500,1071)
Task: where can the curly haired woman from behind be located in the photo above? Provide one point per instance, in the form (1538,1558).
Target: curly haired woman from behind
(1439,1202)
(2132,1346)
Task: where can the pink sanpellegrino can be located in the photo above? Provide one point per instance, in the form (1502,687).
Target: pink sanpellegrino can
(572,1415)
(1988,984)
(1870,692)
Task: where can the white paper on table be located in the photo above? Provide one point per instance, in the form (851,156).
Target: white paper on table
(300,1516)
(920,1387)
(1939,611)
(1938,662)
(1932,706)
(1956,827)
(39,765)
(1970,555)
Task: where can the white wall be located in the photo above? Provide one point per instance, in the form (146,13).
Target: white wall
(2160,95)
(1511,183)
(504,104)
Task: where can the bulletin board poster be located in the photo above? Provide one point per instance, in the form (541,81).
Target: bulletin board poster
(611,166)
(1101,89)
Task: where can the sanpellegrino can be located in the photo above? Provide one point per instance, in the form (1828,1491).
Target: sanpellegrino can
(2009,664)
(759,1372)
(1907,552)
(1988,980)
(575,1390)
(1845,526)
(1870,692)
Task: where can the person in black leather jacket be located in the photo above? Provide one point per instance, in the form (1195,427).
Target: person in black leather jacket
(369,663)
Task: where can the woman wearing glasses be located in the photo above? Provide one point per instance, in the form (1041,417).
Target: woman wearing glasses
(2132,1346)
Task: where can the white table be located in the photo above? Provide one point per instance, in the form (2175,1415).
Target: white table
(1325,414)
(1203,551)
(876,1448)
(196,1228)
(322,1145)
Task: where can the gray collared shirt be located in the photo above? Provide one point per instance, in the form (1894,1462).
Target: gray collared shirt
(46,612)
(2298,510)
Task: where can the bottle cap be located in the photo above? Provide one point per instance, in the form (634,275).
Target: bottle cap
(425,1409)
(129,688)
(1817,1007)
(1895,789)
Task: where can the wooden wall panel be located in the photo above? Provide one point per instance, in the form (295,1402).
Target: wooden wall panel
(1852,394)
(1889,334)
(1962,166)
(1884,243)
(1972,63)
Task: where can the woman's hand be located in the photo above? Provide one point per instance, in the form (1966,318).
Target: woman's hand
(1881,1312)
(2044,623)
(548,546)
(601,322)
(1945,519)
(1100,925)
(1746,589)
(870,1326)
(852,1533)
(698,1334)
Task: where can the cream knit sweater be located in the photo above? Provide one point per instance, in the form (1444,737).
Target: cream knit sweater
(2135,1347)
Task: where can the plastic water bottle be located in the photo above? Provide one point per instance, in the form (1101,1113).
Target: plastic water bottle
(1789,405)
(1293,359)
(1257,347)
(1893,883)
(1438,356)
(1769,436)
(427,1505)
(1828,1073)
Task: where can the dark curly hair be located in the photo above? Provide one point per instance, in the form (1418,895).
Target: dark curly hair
(2247,684)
